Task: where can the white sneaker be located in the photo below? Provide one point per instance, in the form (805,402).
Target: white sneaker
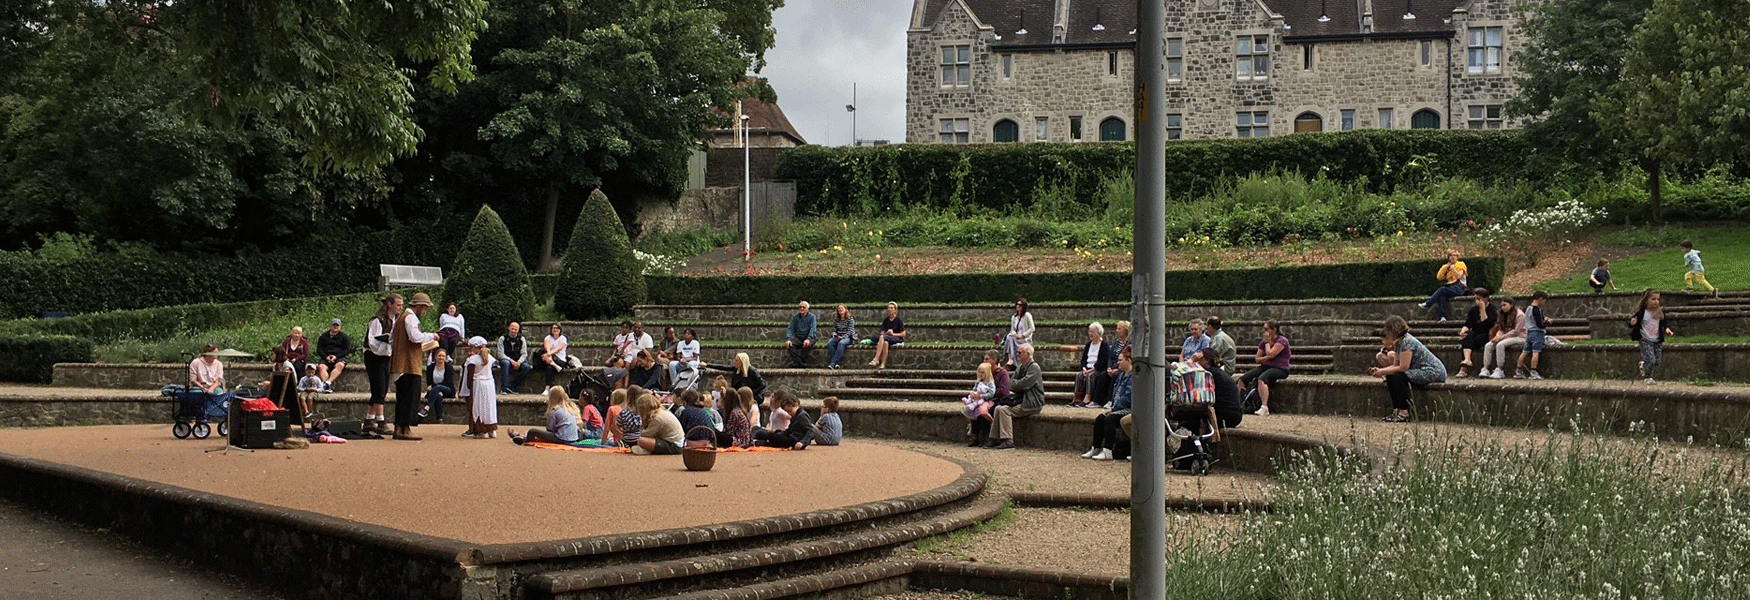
(1497,374)
(1091,452)
(1263,411)
(1649,381)
(1103,455)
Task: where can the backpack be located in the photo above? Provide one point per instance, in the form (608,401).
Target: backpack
(1190,386)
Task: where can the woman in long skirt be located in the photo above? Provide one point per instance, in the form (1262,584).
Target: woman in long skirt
(483,404)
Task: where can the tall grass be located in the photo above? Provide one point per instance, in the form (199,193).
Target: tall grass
(1567,518)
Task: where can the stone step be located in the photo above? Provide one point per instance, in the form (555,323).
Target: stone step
(925,394)
(719,569)
(1319,331)
(944,384)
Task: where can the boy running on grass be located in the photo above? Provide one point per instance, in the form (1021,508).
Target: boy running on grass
(1697,273)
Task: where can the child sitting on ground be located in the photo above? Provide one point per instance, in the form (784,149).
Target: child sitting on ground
(798,435)
(780,419)
(695,413)
(738,424)
(661,432)
(829,430)
(308,387)
(622,430)
(562,418)
(591,422)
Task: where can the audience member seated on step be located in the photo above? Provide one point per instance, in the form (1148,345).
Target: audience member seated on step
(1093,385)
(844,333)
(440,383)
(644,372)
(1106,424)
(641,337)
(685,356)
(555,357)
(829,429)
(1535,325)
(625,347)
(1601,277)
(892,336)
(1508,335)
(799,336)
(667,348)
(1403,362)
(1120,342)
(619,404)
(742,374)
(297,349)
(1273,358)
(333,346)
(452,328)
(661,432)
(694,412)
(1195,343)
(1228,408)
(1453,276)
(739,422)
(1479,324)
(798,434)
(980,426)
(1020,331)
(563,418)
(512,353)
(1649,328)
(976,405)
(1222,344)
(1027,390)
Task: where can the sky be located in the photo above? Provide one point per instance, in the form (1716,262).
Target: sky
(825,46)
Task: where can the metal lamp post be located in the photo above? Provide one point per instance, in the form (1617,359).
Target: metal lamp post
(746,190)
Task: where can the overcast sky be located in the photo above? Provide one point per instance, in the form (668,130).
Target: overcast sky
(824,46)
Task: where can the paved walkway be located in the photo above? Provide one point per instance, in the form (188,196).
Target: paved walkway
(45,558)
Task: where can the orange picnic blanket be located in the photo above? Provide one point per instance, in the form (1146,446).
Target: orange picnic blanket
(730,450)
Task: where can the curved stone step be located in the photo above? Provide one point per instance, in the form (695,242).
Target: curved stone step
(702,573)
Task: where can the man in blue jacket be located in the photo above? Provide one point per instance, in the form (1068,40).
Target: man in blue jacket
(799,338)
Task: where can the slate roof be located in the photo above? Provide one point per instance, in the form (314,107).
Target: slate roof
(1117,19)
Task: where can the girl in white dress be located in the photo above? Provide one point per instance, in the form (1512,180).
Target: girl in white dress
(483,407)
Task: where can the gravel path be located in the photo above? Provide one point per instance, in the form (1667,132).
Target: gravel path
(1033,470)
(1094,542)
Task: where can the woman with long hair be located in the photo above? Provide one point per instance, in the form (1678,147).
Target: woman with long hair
(1403,361)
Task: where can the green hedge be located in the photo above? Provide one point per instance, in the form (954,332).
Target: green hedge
(133,280)
(964,178)
(32,358)
(1361,280)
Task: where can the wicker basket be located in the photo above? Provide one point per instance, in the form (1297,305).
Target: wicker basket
(703,455)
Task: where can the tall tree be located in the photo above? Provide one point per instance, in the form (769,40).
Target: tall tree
(587,89)
(1573,58)
(1684,95)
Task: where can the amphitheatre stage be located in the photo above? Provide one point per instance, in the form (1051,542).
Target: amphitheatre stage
(450,517)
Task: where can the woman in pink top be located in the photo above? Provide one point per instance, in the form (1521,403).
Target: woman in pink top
(206,372)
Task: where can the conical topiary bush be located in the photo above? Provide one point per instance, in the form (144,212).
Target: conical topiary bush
(488,282)
(601,277)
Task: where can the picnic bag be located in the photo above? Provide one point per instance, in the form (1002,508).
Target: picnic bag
(1190,386)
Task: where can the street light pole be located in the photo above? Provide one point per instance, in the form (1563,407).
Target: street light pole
(746,190)
(852,108)
(1148,307)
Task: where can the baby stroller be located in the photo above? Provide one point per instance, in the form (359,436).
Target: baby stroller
(193,410)
(1191,407)
(588,389)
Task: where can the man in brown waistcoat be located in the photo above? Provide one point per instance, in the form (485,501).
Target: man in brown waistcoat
(407,365)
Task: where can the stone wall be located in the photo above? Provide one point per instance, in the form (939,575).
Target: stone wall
(719,208)
(1363,75)
(1682,362)
(1723,322)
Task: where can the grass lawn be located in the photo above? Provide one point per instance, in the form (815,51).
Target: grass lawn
(1725,251)
(1676,339)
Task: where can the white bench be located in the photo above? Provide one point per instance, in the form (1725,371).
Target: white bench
(392,276)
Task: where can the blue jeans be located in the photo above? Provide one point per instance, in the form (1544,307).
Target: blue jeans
(675,368)
(836,348)
(435,399)
(1442,294)
(513,378)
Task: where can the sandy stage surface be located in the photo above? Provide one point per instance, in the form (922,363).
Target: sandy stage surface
(493,491)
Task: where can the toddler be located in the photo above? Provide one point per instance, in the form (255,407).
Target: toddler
(1535,323)
(978,403)
(1697,273)
(308,387)
(829,430)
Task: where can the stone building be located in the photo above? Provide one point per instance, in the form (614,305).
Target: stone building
(1061,70)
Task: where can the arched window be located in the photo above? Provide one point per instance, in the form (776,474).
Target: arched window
(1308,122)
(1112,130)
(1425,119)
(1005,131)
